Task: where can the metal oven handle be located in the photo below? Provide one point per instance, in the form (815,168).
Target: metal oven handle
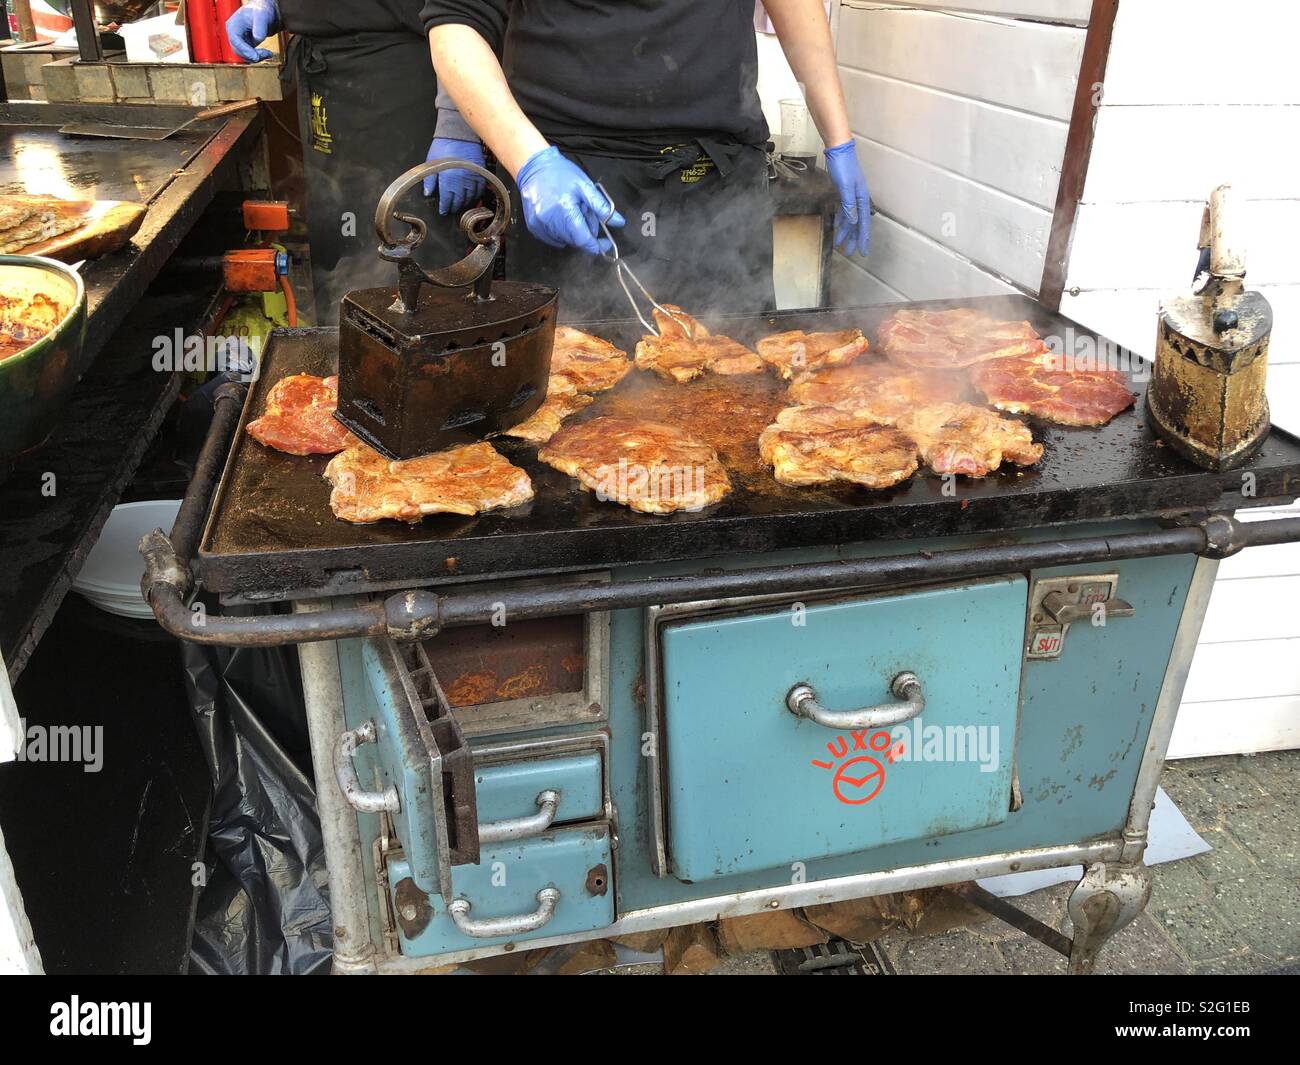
(345,772)
(521,827)
(801,701)
(491,927)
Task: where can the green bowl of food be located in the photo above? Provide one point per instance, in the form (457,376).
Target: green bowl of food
(42,338)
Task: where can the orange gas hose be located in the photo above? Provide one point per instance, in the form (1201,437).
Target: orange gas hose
(291,306)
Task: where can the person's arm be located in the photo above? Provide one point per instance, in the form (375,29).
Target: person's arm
(453,139)
(805,37)
(470,72)
(562,206)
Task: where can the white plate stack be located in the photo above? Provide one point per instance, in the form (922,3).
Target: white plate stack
(111,576)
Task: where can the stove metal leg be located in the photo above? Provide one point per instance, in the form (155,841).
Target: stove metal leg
(1108,897)
(323,694)
(1111,894)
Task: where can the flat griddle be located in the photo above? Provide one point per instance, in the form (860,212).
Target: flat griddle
(271,534)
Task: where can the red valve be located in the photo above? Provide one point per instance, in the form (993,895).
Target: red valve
(267,216)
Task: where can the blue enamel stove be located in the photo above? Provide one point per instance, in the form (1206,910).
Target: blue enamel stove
(572,721)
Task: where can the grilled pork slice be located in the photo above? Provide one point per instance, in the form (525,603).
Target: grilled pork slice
(818,444)
(949,340)
(299,417)
(369,487)
(797,352)
(682,360)
(645,465)
(1043,386)
(962,438)
(589,363)
(545,421)
(684,349)
(879,391)
(675,324)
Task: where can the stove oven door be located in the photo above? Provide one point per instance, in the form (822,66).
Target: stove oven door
(790,732)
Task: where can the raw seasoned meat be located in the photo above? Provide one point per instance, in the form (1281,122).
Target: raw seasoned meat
(820,444)
(461,480)
(1042,386)
(299,417)
(645,465)
(589,363)
(880,391)
(962,438)
(795,352)
(949,340)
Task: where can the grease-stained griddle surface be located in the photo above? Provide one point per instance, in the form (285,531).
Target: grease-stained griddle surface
(271,531)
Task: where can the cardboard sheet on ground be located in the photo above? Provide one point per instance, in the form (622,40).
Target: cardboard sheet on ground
(1170,837)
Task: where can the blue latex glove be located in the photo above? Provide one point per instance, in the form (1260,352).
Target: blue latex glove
(457,189)
(250,26)
(853,219)
(562,206)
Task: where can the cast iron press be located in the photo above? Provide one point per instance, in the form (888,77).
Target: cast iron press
(448,356)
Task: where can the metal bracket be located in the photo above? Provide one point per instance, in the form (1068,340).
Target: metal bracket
(1055,603)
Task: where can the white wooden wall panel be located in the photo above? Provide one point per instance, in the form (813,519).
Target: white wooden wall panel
(961,113)
(1155,152)
(1005,235)
(923,269)
(1153,244)
(1273,667)
(1030,66)
(1236,726)
(1204,52)
(968,137)
(852,286)
(1071,11)
(1254,608)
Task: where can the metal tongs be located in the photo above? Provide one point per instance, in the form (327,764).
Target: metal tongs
(624,274)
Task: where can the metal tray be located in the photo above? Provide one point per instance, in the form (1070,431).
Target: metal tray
(270,533)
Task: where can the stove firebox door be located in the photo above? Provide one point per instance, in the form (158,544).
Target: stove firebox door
(792,733)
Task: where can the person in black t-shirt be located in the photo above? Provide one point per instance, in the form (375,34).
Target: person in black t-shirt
(655,102)
(367,106)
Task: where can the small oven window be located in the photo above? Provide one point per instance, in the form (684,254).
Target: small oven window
(480,665)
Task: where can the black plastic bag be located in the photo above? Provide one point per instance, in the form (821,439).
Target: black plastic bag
(265,906)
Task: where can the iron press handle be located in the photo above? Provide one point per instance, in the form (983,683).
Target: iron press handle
(483,227)
(548,802)
(491,927)
(801,701)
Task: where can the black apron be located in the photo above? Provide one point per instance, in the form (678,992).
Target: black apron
(366,112)
(698,232)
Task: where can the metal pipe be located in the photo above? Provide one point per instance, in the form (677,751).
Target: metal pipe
(432,611)
(322,690)
(1015,917)
(227,404)
(167,581)
(421,613)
